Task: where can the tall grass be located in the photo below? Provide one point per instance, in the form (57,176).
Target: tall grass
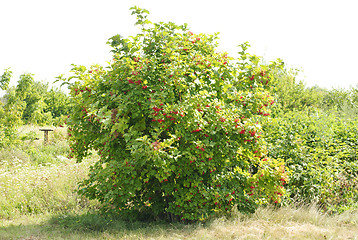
(38,201)
(37,178)
(27,189)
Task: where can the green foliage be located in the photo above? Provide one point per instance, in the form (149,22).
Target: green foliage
(24,84)
(176,124)
(29,102)
(9,115)
(35,104)
(57,103)
(43,106)
(5,79)
(7,132)
(344,102)
(32,102)
(292,95)
(320,149)
(314,131)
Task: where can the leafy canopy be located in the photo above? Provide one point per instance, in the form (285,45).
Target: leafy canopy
(176,124)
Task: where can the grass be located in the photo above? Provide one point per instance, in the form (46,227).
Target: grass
(42,189)
(266,223)
(38,201)
(39,179)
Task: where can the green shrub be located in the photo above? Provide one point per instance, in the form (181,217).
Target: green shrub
(9,114)
(320,149)
(176,124)
(291,94)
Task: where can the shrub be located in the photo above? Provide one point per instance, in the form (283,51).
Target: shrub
(176,124)
(9,114)
(320,151)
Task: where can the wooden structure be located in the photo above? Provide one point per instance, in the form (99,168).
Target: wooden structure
(46,135)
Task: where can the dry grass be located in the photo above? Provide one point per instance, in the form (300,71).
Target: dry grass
(266,223)
(287,223)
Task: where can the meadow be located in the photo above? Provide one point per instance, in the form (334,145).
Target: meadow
(245,151)
(38,200)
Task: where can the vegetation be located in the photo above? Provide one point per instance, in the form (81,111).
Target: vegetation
(126,159)
(44,205)
(29,102)
(320,150)
(176,125)
(266,223)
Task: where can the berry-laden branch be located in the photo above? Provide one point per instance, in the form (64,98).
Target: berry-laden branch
(178,126)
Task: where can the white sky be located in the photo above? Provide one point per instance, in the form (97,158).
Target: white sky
(45,37)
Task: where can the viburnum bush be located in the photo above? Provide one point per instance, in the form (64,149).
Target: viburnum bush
(176,124)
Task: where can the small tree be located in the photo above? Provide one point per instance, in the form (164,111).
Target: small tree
(10,112)
(176,125)
(5,79)
(6,128)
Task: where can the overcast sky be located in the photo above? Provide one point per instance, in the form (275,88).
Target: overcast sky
(45,37)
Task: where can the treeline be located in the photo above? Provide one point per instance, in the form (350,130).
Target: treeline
(293,95)
(29,102)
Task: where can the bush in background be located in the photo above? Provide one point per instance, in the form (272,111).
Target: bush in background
(320,150)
